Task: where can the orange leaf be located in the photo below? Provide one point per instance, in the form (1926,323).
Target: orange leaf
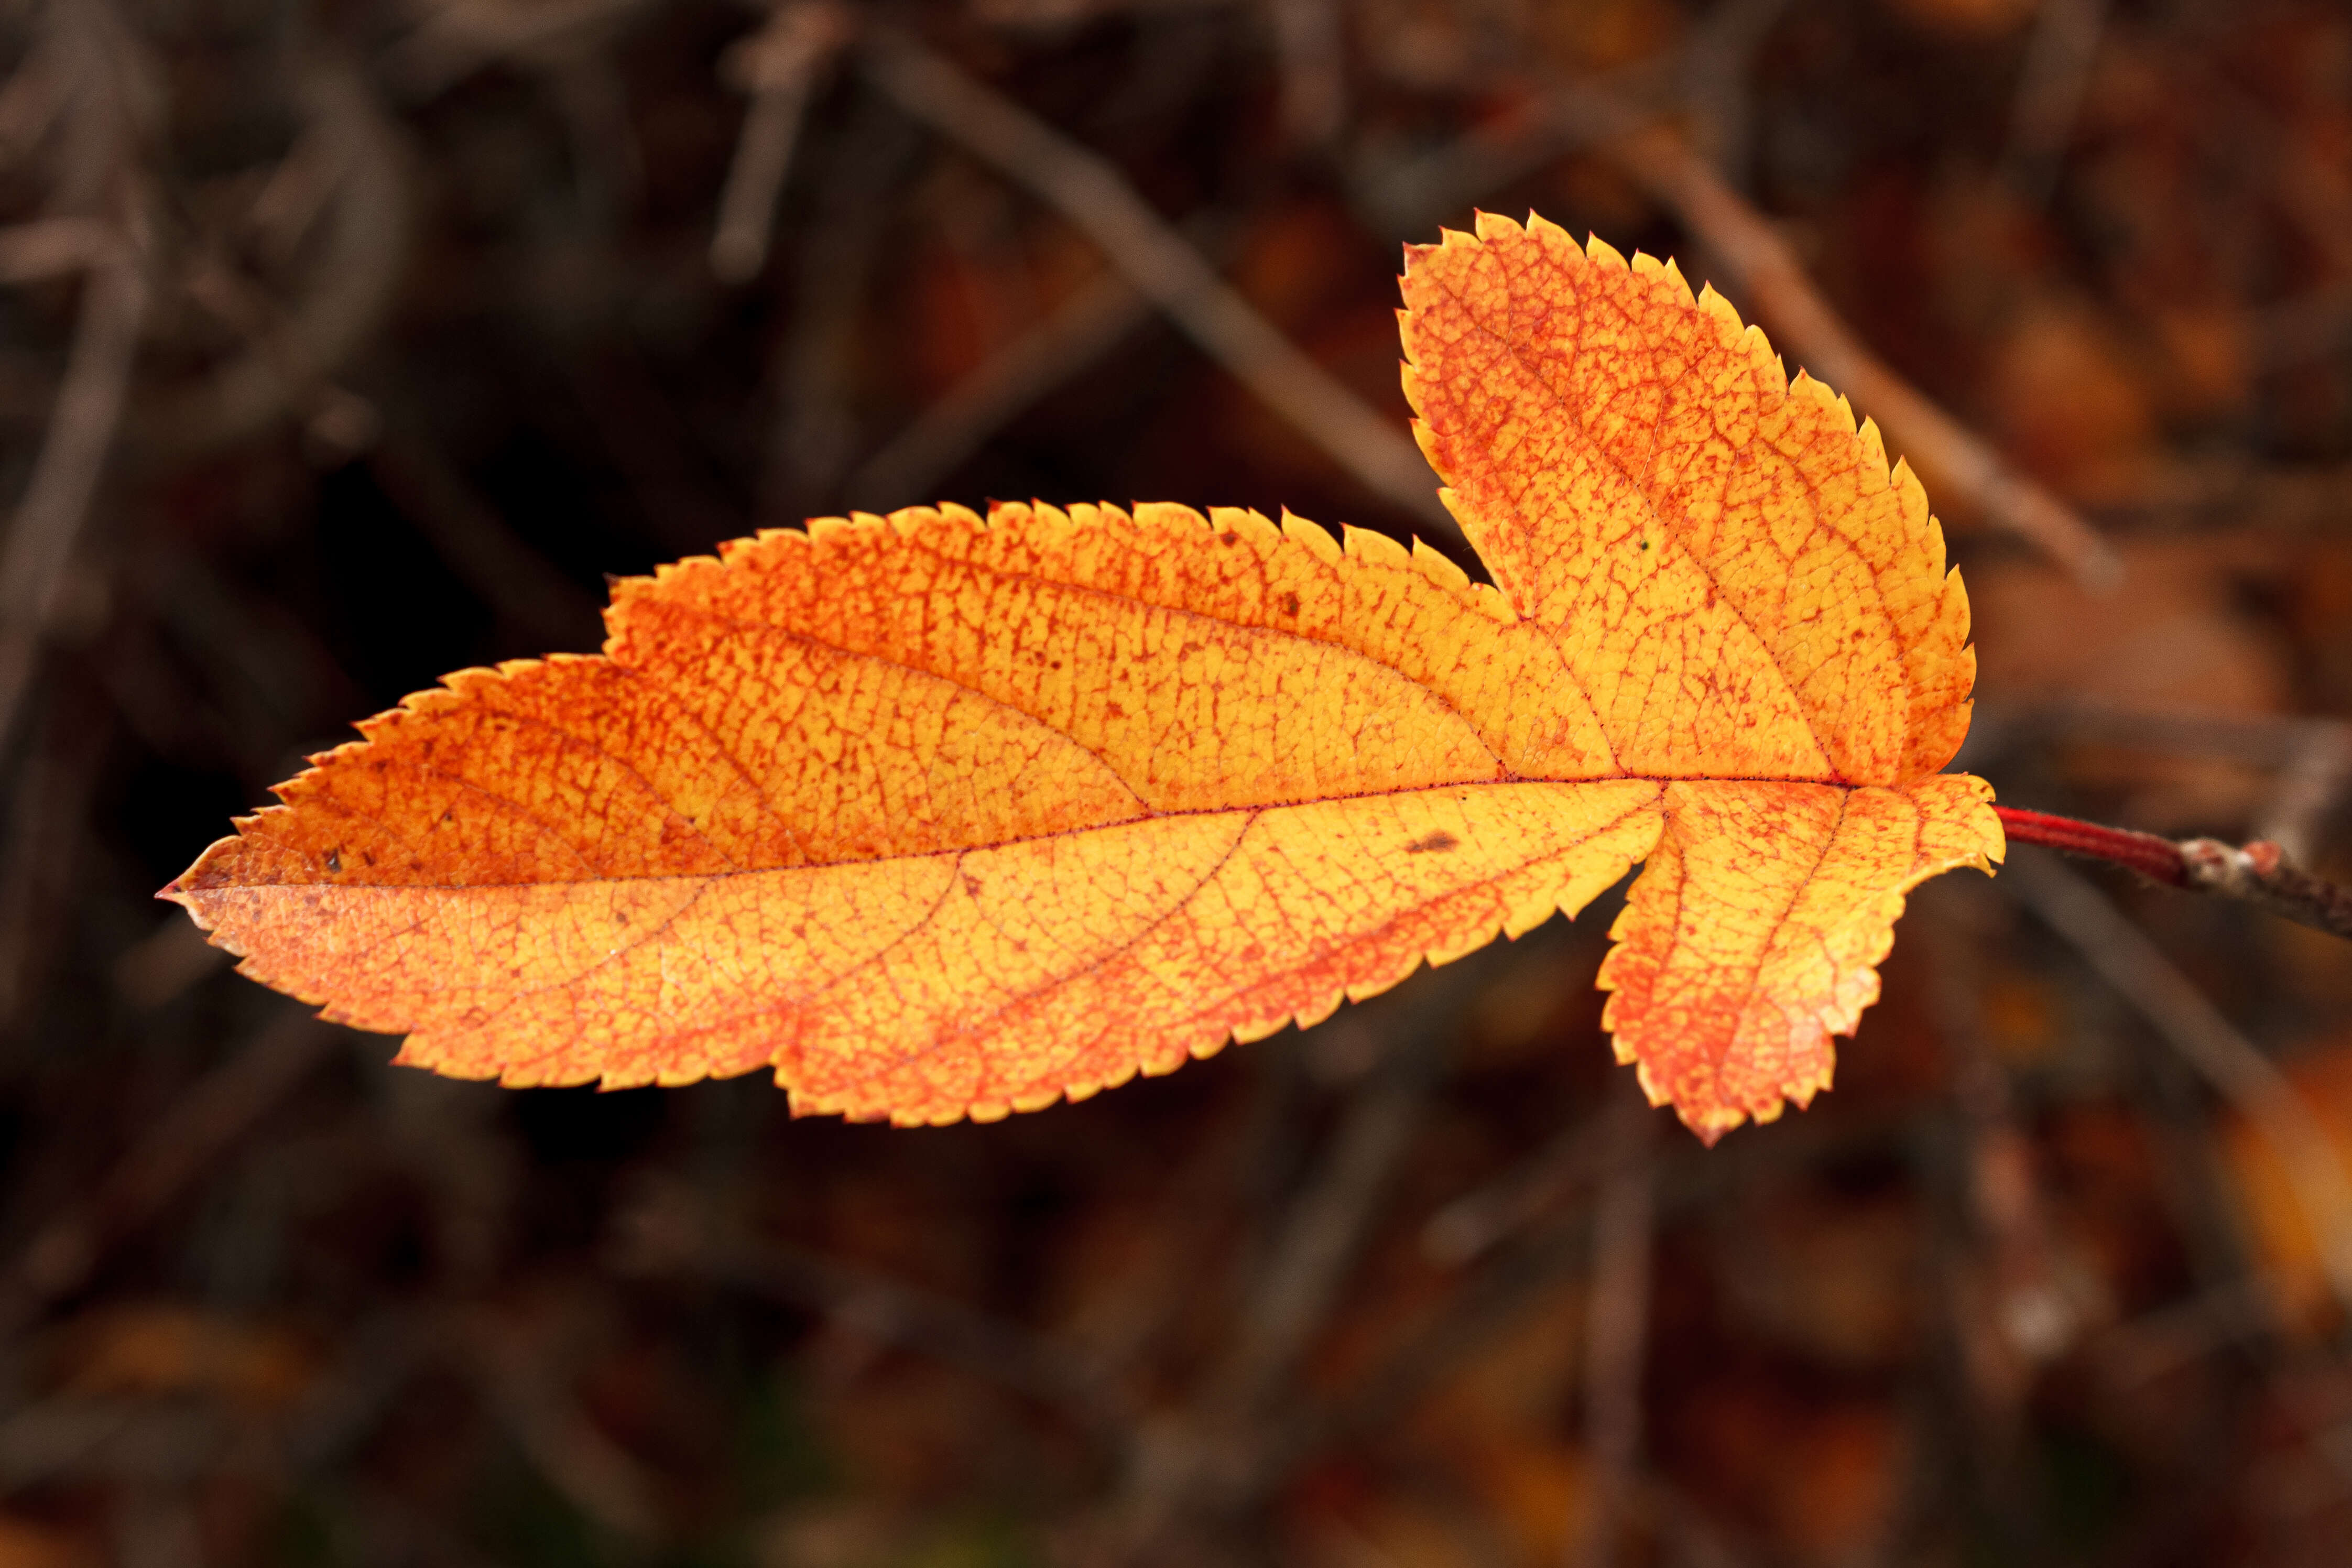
(942,817)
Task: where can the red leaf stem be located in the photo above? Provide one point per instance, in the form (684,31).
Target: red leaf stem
(2156,858)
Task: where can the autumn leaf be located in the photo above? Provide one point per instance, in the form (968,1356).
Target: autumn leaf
(941,816)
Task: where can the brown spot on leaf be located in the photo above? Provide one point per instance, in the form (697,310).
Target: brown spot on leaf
(1437,842)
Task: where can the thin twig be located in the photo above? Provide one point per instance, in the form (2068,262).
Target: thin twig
(671,1230)
(2153,857)
(201,1125)
(591,1471)
(1471,1226)
(777,66)
(1953,460)
(2258,873)
(49,519)
(2308,788)
(294,344)
(1328,1220)
(1307,39)
(1089,192)
(1717,65)
(479,544)
(454,38)
(2139,972)
(1213,1458)
(50,246)
(2049,94)
(1607,112)
(1081,331)
(1616,1328)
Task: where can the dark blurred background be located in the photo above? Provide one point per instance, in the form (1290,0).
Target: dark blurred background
(346,342)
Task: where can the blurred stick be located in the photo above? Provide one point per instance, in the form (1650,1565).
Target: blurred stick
(590,1470)
(201,1125)
(671,1230)
(295,344)
(1717,65)
(776,65)
(1309,42)
(48,521)
(2310,785)
(1082,330)
(48,831)
(2004,1301)
(816,433)
(2257,873)
(47,247)
(1090,194)
(1472,1223)
(2050,91)
(1201,1465)
(2299,330)
(2036,1315)
(477,544)
(1560,1247)
(1410,196)
(2146,1347)
(1328,1220)
(1953,460)
(453,38)
(2139,972)
(1616,1327)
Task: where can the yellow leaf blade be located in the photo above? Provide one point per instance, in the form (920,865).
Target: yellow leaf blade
(936,816)
(1756,929)
(1739,585)
(930,987)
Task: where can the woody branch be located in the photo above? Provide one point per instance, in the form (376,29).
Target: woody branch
(2258,872)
